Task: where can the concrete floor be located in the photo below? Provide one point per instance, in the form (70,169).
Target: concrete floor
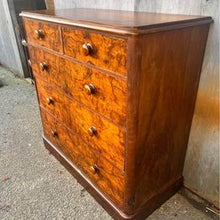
(33,184)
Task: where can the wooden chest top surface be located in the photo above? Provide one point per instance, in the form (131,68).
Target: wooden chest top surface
(125,22)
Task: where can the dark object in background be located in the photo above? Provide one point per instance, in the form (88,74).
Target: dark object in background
(1,83)
(15,7)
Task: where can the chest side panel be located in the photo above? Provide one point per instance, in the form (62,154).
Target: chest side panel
(170,71)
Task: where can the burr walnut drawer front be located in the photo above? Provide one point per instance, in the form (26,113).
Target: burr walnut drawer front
(44,34)
(99,91)
(108,178)
(93,129)
(107,52)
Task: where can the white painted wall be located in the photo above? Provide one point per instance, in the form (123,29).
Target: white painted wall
(9,53)
(110,4)
(201,171)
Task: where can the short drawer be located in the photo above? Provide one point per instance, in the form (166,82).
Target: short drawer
(95,130)
(100,50)
(108,178)
(44,34)
(99,91)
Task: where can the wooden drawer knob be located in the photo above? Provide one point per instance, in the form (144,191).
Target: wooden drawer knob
(50,100)
(54,133)
(24,42)
(94,168)
(87,49)
(90,89)
(43,66)
(29,62)
(92,131)
(39,34)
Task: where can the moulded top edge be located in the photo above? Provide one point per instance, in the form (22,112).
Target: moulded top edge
(120,22)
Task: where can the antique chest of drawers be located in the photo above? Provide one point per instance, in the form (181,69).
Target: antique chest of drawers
(116,92)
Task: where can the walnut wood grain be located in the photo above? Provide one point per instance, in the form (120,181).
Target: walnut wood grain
(108,52)
(133,91)
(80,119)
(109,179)
(51,34)
(167,87)
(109,98)
(101,197)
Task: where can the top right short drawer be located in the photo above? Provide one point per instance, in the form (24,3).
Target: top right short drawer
(104,51)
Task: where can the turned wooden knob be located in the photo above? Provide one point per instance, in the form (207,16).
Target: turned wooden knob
(92,131)
(29,62)
(87,49)
(24,42)
(90,89)
(94,168)
(43,66)
(50,100)
(54,133)
(39,34)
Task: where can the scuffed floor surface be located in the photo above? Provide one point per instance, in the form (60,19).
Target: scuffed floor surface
(33,184)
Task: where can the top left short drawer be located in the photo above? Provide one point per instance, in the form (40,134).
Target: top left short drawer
(43,34)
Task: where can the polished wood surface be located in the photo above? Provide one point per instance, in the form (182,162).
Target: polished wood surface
(166,88)
(80,120)
(122,22)
(50,36)
(102,173)
(109,97)
(117,99)
(108,52)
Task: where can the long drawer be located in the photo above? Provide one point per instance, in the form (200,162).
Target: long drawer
(95,130)
(101,92)
(108,178)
